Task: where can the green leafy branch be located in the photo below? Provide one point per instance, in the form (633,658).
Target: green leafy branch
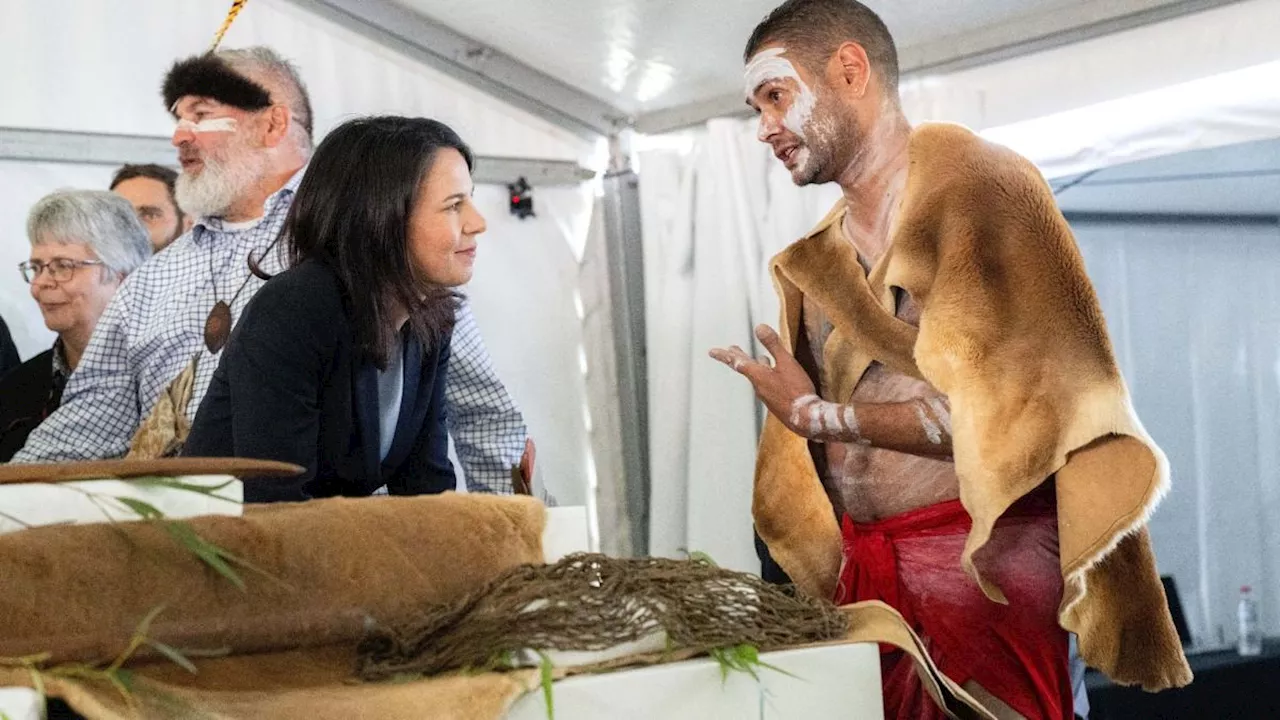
(547,677)
(745,659)
(221,560)
(697,556)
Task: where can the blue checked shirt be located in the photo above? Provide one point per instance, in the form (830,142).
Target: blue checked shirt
(155,324)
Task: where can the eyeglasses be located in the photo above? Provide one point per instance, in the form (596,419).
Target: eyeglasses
(60,269)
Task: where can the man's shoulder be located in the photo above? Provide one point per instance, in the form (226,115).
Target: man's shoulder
(953,158)
(945,141)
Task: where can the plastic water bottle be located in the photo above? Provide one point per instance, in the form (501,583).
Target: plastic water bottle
(1250,642)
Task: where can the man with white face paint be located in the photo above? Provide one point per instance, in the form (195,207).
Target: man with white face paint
(244,136)
(823,75)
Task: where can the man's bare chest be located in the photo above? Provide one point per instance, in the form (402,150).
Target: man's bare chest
(878,384)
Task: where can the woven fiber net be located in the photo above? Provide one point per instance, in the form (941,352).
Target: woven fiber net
(590,602)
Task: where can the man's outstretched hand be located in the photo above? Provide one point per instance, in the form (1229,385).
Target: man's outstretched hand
(783,385)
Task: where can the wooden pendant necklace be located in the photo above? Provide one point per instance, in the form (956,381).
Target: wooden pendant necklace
(217,326)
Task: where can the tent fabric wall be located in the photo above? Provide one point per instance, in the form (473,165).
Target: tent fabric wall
(1235,107)
(666,204)
(1194,313)
(1191,47)
(526,277)
(1202,80)
(97,67)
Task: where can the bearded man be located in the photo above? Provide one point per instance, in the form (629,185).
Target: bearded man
(244,135)
(942,355)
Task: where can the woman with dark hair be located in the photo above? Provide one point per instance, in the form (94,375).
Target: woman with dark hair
(338,363)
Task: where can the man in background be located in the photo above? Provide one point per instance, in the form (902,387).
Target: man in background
(150,189)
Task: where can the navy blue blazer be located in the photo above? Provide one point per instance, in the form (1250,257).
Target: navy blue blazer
(291,387)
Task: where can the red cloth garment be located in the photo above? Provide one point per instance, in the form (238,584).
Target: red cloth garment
(1017,652)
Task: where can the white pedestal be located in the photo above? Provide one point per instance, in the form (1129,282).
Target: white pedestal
(18,703)
(841,681)
(88,501)
(565,532)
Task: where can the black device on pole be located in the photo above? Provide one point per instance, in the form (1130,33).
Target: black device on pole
(521,199)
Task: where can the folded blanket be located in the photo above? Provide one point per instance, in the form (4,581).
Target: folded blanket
(79,592)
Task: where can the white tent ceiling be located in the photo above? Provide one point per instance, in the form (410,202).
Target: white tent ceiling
(645,55)
(665,63)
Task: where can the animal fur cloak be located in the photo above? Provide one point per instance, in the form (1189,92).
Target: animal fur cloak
(1011,331)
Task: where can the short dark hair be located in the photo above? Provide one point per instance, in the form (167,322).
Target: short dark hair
(351,213)
(160,173)
(813,29)
(168,176)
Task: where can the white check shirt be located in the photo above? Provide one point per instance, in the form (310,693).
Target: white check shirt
(155,324)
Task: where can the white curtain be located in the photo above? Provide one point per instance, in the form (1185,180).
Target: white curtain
(666,205)
(607,503)
(712,218)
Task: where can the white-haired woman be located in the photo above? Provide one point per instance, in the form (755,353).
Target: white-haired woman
(83,244)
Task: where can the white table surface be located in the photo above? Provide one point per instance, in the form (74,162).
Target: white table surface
(840,681)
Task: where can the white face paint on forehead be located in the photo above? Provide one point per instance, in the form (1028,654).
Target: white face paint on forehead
(769,65)
(208,125)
